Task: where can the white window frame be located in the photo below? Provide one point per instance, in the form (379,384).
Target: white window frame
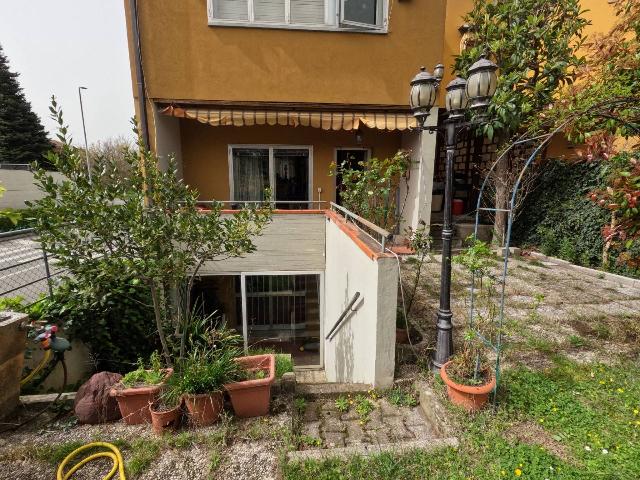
(272,162)
(380,8)
(333,19)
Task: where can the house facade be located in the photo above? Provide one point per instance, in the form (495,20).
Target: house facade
(249,94)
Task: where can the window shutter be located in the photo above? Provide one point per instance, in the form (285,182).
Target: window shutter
(231,10)
(307,11)
(268,11)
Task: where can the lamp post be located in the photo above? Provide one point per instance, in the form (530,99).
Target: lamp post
(462,96)
(84,130)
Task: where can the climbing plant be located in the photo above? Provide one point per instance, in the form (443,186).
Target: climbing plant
(371,189)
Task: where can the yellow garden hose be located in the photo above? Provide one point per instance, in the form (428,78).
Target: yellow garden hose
(113,453)
(43,362)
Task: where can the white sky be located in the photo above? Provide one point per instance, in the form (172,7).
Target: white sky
(58,45)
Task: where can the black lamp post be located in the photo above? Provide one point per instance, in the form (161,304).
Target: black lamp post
(462,96)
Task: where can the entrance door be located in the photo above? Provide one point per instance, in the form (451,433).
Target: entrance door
(351,158)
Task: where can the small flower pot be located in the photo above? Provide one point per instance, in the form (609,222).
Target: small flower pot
(471,398)
(163,420)
(205,408)
(401,335)
(134,402)
(250,398)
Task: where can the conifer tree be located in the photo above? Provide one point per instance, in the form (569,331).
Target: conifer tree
(22,136)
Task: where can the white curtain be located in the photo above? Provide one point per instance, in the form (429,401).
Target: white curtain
(250,173)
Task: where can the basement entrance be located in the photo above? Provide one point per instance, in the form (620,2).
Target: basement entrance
(272,310)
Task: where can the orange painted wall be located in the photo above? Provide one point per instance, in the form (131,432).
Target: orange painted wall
(205,152)
(184,58)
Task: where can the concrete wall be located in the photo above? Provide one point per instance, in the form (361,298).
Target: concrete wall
(12,342)
(20,187)
(363,350)
(291,242)
(419,187)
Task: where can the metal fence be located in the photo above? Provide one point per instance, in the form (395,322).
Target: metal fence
(26,271)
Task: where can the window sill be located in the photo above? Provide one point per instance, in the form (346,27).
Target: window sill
(284,26)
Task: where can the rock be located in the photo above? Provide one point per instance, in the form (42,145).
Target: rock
(93,404)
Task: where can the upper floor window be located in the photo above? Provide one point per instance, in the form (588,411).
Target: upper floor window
(358,15)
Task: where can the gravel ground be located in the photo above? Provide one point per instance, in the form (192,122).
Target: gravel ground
(585,318)
(240,449)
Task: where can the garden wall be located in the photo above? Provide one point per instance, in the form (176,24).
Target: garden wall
(20,188)
(12,342)
(363,349)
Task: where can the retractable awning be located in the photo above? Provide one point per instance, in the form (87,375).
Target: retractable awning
(326,120)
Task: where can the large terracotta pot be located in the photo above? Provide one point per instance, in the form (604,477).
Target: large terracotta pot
(250,398)
(163,420)
(134,402)
(471,398)
(205,408)
(401,335)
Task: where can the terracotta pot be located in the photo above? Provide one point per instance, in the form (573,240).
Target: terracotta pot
(163,420)
(401,335)
(205,408)
(471,398)
(250,398)
(134,402)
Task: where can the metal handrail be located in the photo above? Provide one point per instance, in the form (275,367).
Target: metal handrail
(384,234)
(260,202)
(17,233)
(342,317)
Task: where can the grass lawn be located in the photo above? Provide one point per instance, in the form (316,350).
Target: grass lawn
(568,421)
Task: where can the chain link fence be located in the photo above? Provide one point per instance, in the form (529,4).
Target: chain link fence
(26,271)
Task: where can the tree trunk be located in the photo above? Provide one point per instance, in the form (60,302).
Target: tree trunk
(157,309)
(501,182)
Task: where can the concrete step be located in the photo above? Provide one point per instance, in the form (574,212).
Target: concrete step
(372,449)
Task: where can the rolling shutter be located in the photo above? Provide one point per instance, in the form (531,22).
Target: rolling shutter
(307,11)
(231,10)
(268,11)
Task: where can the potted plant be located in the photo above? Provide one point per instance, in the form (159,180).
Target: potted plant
(139,388)
(201,381)
(250,397)
(166,410)
(468,375)
(402,336)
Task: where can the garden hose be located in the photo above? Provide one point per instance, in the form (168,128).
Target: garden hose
(112,452)
(43,362)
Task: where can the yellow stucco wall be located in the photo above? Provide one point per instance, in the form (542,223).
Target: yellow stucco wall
(184,58)
(205,152)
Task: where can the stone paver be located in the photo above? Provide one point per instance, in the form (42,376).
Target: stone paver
(386,424)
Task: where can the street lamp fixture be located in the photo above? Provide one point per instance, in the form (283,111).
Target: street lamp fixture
(482,83)
(462,96)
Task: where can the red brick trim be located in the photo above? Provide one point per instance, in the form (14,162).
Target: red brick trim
(356,235)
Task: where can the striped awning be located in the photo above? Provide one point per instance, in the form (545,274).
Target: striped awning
(316,119)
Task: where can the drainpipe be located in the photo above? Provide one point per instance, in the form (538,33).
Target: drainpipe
(142,97)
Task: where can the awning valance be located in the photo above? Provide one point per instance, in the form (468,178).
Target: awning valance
(316,119)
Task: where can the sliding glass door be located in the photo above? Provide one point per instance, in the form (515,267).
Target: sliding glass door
(286,170)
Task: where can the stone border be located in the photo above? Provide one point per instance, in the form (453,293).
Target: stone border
(366,450)
(626,281)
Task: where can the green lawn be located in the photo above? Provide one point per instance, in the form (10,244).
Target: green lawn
(569,421)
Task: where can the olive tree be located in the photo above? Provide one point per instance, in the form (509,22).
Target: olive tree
(535,45)
(145,225)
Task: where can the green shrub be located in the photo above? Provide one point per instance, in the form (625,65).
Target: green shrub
(150,374)
(202,373)
(112,316)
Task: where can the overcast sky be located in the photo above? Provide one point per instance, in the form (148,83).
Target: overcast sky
(58,45)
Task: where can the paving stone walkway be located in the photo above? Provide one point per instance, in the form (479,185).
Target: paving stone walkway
(386,424)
